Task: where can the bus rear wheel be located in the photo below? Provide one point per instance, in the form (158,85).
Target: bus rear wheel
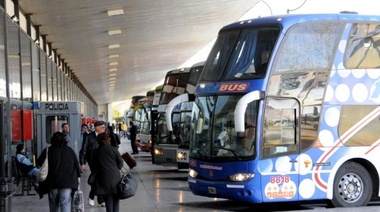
(352,186)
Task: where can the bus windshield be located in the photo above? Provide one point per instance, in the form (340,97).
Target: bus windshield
(174,85)
(247,52)
(213,133)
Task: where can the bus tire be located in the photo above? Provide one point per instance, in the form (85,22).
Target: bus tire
(352,186)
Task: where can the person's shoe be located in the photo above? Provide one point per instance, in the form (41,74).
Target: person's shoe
(102,205)
(91,202)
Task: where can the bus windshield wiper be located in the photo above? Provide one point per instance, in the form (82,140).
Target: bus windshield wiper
(199,152)
(230,150)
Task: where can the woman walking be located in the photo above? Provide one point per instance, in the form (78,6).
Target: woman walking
(63,173)
(107,163)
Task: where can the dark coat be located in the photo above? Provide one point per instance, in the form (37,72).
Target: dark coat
(115,141)
(106,163)
(133,132)
(88,146)
(63,169)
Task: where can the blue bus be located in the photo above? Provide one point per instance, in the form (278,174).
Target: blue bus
(287,109)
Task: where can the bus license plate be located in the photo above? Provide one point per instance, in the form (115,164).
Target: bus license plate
(211,190)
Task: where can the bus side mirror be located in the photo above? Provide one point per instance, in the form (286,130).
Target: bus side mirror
(169,109)
(241,107)
(199,125)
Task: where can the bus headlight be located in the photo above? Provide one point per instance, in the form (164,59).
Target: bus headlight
(181,155)
(158,152)
(240,177)
(192,173)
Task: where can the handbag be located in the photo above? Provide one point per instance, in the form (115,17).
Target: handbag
(42,174)
(91,178)
(127,186)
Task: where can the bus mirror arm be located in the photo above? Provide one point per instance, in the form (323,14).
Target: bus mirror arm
(241,107)
(191,98)
(169,109)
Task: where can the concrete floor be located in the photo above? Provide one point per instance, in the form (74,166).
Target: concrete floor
(160,189)
(165,189)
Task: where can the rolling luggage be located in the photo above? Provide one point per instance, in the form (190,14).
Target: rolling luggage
(129,159)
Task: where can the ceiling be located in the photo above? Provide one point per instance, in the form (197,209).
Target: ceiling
(156,36)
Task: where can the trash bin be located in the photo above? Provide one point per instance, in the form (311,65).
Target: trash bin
(6,192)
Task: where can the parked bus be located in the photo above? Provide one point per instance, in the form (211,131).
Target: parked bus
(128,114)
(182,117)
(165,149)
(154,116)
(142,119)
(287,109)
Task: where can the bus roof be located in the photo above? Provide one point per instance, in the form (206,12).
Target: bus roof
(177,71)
(290,19)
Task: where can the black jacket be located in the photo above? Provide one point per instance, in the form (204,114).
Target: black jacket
(88,146)
(106,163)
(133,132)
(63,169)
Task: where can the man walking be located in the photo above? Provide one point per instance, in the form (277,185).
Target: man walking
(133,135)
(85,155)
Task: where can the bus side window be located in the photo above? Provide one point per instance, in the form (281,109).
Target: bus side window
(363,47)
(281,134)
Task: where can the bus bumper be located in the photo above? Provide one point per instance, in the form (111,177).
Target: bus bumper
(232,191)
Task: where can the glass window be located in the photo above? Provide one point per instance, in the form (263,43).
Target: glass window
(53,124)
(36,73)
(218,57)
(26,68)
(241,54)
(14,60)
(308,47)
(163,134)
(350,116)
(214,135)
(43,76)
(280,131)
(363,47)
(54,81)
(49,77)
(174,85)
(3,83)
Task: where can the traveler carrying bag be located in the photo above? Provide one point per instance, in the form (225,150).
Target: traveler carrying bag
(92,178)
(127,186)
(42,174)
(77,204)
(129,159)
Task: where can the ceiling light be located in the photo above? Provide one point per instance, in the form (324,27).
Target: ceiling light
(114,46)
(112,74)
(112,69)
(115,12)
(112,78)
(113,63)
(114,32)
(113,56)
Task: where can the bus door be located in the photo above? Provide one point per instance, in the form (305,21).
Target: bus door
(280,158)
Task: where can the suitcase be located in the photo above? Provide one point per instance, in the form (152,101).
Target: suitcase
(77,204)
(129,159)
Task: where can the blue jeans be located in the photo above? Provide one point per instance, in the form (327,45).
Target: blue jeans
(60,198)
(34,172)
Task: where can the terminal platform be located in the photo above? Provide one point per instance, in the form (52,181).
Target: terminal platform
(159,189)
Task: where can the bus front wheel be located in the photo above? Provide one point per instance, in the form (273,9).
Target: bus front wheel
(352,186)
